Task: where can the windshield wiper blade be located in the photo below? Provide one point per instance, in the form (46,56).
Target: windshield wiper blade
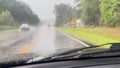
(80,49)
(70,52)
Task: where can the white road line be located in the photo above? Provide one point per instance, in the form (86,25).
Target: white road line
(75,39)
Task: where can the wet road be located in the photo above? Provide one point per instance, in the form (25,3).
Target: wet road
(44,42)
(49,41)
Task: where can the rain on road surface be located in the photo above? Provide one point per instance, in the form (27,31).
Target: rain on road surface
(46,41)
(49,41)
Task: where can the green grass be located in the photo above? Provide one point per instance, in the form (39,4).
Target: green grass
(88,36)
(4,29)
(11,30)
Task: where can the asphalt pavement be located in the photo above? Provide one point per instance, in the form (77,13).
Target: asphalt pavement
(45,41)
(49,41)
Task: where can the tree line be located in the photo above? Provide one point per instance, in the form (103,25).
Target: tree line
(91,12)
(15,12)
(99,12)
(63,14)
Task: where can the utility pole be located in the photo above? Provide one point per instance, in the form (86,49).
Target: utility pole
(74,21)
(74,8)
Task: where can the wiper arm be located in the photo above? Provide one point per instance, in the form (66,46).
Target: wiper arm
(80,49)
(72,52)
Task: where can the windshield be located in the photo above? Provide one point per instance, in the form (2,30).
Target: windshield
(32,28)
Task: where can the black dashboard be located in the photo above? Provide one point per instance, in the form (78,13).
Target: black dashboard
(107,62)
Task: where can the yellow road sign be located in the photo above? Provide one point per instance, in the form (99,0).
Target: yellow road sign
(74,21)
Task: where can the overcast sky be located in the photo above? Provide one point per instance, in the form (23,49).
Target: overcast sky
(44,8)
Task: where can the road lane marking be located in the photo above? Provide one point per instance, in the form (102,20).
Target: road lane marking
(75,39)
(28,48)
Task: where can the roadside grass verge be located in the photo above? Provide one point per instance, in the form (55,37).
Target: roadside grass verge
(11,30)
(4,29)
(94,36)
